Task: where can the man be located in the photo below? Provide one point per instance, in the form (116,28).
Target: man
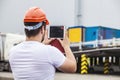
(34,59)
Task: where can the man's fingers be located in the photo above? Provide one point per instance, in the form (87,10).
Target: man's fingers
(66,34)
(51,39)
(46,32)
(59,40)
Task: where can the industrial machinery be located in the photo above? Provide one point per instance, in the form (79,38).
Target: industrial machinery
(91,45)
(7,41)
(94,48)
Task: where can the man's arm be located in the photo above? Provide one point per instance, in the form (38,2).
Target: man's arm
(69,64)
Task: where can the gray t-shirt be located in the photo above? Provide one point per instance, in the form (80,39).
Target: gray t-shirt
(31,60)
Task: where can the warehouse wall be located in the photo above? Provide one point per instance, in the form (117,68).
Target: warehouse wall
(12,12)
(66,12)
(100,12)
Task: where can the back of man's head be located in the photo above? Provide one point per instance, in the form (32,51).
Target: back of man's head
(34,19)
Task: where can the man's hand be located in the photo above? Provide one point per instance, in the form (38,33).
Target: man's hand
(65,42)
(70,63)
(46,40)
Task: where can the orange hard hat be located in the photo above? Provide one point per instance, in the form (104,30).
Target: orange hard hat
(35,14)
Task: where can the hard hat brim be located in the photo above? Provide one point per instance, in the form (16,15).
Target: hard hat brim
(36,20)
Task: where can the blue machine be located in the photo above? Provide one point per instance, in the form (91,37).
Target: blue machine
(100,33)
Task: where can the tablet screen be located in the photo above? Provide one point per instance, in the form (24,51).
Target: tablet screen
(56,32)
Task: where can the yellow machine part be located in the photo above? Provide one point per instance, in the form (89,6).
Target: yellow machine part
(75,34)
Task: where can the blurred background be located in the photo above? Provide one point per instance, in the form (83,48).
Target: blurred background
(94,33)
(65,12)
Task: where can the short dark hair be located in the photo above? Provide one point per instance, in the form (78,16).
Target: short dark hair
(30,33)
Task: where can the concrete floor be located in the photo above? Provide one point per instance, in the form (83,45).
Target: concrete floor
(62,76)
(6,76)
(66,76)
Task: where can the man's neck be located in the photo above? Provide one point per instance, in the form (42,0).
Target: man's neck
(34,39)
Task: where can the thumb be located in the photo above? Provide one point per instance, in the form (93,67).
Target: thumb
(60,41)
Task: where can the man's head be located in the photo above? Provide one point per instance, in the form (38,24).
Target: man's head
(35,20)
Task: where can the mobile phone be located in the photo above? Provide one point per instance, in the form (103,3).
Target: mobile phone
(56,32)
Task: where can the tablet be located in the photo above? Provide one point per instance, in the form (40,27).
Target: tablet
(56,32)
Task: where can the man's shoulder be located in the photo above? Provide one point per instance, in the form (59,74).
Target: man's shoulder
(51,47)
(15,47)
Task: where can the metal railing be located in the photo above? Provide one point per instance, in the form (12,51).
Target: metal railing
(114,42)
